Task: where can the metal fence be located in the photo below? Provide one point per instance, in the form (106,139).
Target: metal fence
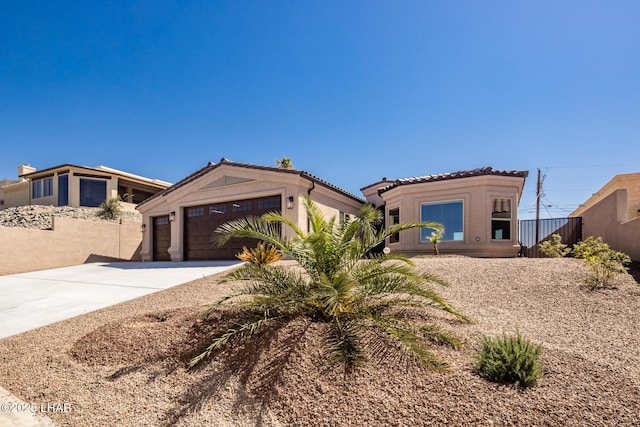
(569,228)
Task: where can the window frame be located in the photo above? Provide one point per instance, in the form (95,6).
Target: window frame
(91,182)
(443,202)
(503,220)
(42,187)
(394,219)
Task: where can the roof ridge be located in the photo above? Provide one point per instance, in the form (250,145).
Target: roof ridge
(224,161)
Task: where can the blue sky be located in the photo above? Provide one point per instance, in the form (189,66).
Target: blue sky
(351,90)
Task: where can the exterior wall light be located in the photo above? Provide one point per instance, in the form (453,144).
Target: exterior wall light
(172,216)
(290,202)
(143,227)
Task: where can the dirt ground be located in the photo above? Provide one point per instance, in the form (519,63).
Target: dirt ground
(126,365)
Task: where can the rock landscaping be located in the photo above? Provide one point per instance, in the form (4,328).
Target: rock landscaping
(40,217)
(126,365)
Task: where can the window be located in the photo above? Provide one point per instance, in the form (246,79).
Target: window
(217,209)
(272,203)
(501,219)
(343,217)
(394,218)
(36,189)
(42,187)
(191,212)
(161,220)
(47,184)
(449,214)
(92,192)
(63,190)
(242,206)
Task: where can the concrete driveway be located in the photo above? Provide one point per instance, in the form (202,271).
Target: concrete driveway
(32,300)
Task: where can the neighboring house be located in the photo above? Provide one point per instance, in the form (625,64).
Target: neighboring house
(613,213)
(76,186)
(179,221)
(477,207)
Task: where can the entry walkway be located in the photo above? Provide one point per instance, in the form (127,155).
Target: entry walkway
(32,300)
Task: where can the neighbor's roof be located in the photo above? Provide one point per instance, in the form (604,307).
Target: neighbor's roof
(102,169)
(454,175)
(211,166)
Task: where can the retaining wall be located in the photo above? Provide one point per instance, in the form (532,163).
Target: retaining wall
(70,242)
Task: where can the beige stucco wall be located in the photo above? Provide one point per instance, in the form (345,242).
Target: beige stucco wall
(70,242)
(609,219)
(629,182)
(477,194)
(16,194)
(259,183)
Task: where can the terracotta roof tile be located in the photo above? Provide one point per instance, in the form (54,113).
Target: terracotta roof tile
(455,175)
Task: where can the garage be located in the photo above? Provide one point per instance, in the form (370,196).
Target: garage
(220,192)
(161,238)
(200,222)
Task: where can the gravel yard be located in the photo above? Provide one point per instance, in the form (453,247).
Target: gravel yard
(125,365)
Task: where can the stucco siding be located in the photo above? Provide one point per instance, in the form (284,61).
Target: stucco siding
(70,242)
(609,219)
(228,183)
(476,194)
(16,194)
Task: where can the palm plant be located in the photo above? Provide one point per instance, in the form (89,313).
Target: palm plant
(365,299)
(435,239)
(285,163)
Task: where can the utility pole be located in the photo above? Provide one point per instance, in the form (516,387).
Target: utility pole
(538,194)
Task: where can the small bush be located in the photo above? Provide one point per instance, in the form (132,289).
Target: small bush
(263,254)
(554,248)
(510,359)
(112,208)
(604,263)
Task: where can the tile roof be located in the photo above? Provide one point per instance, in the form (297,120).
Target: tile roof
(211,166)
(455,175)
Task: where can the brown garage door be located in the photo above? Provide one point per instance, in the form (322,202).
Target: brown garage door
(201,221)
(161,238)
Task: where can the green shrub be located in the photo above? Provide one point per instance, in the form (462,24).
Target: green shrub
(510,359)
(112,208)
(604,263)
(554,248)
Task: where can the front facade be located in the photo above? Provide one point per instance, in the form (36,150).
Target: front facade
(179,221)
(478,209)
(76,186)
(613,213)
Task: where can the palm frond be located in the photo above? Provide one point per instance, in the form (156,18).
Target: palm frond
(250,226)
(278,217)
(412,344)
(396,228)
(440,336)
(343,345)
(231,336)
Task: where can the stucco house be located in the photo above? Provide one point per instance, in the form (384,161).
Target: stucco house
(76,186)
(613,213)
(179,221)
(477,207)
